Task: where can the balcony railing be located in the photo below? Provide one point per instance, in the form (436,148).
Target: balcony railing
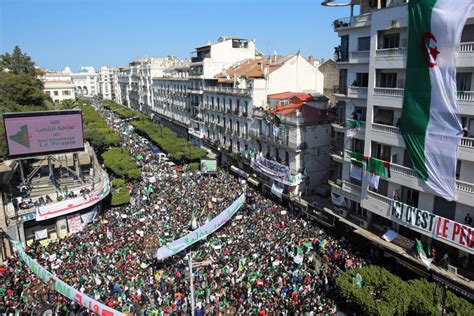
(381,198)
(467,142)
(466,96)
(389,52)
(467,47)
(390,92)
(385,128)
(360,53)
(355,91)
(354,21)
(228,90)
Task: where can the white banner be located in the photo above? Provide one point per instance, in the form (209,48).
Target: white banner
(356,172)
(88,217)
(72,205)
(41,234)
(278,191)
(435,226)
(63,288)
(390,235)
(200,233)
(338,199)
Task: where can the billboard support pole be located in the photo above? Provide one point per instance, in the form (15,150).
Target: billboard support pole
(51,171)
(78,167)
(22,173)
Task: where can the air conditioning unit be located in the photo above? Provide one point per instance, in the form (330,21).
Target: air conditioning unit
(452,269)
(340,211)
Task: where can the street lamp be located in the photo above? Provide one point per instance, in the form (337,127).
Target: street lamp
(192,265)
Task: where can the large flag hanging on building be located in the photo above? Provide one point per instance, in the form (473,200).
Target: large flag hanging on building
(430,122)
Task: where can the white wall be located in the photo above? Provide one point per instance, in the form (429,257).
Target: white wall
(296,75)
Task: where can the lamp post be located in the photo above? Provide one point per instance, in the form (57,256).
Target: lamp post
(192,265)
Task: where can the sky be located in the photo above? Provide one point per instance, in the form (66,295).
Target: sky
(75,33)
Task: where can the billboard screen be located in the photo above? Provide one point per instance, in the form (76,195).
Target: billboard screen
(208,165)
(32,134)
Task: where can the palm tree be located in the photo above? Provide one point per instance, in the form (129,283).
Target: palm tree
(67,105)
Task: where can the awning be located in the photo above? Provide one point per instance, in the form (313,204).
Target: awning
(239,171)
(253,181)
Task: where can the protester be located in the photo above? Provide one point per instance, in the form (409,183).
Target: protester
(264,260)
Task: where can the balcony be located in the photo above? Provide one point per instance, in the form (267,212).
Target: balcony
(408,177)
(377,203)
(337,153)
(357,92)
(466,54)
(360,57)
(228,90)
(346,189)
(466,149)
(284,143)
(391,97)
(391,52)
(389,92)
(387,134)
(349,22)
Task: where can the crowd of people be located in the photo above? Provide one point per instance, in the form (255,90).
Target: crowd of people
(265,260)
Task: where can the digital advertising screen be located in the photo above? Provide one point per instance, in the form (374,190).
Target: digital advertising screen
(32,134)
(208,165)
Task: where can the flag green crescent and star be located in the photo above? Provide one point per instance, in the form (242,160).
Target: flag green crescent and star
(430,123)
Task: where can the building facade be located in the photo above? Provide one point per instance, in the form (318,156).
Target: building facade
(215,99)
(371,59)
(85,82)
(59,90)
(106,82)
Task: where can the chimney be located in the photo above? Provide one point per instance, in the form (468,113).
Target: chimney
(311,60)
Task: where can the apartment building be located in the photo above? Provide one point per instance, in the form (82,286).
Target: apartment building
(371,59)
(106,82)
(217,98)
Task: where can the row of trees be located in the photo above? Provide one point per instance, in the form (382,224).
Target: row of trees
(383,293)
(179,148)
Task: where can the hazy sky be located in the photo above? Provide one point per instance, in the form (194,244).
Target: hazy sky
(59,33)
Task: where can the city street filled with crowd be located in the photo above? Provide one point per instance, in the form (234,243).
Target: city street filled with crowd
(265,260)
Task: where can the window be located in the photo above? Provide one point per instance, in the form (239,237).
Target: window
(56,93)
(391,40)
(363,43)
(463,81)
(388,80)
(362,80)
(383,116)
(382,152)
(66,92)
(344,49)
(410,196)
(343,81)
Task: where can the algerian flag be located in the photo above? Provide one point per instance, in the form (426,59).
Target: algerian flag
(422,254)
(430,122)
(276,120)
(377,169)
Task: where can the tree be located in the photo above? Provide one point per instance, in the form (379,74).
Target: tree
(22,89)
(67,105)
(17,63)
